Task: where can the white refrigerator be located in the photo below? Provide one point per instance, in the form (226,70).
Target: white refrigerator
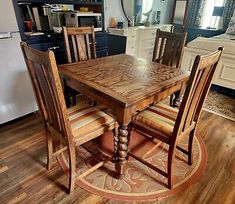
(16,94)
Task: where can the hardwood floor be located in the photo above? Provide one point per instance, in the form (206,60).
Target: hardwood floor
(24,178)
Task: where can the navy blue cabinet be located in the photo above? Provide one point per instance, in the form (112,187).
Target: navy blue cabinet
(55,41)
(101,44)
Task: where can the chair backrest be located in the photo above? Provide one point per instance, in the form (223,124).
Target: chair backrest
(168,48)
(47,87)
(78,45)
(196,91)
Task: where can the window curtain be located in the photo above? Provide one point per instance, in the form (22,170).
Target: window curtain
(228,12)
(196,13)
(138,11)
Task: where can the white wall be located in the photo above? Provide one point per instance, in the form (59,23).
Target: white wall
(166,8)
(129,7)
(113,9)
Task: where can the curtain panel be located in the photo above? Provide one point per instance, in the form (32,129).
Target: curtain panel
(196,13)
(228,12)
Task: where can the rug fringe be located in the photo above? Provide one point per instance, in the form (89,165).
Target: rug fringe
(221,115)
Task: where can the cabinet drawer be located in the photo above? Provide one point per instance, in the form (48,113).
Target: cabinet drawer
(131,48)
(57,47)
(102,53)
(125,32)
(148,34)
(131,44)
(132,35)
(147,44)
(146,53)
(117,31)
(101,40)
(225,72)
(131,51)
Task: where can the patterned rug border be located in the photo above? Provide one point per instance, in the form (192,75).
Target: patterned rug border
(158,196)
(221,115)
(220,104)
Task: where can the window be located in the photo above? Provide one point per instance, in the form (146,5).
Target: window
(146,7)
(212,14)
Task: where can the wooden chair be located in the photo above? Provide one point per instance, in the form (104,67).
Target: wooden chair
(80,43)
(80,46)
(168,48)
(168,124)
(65,128)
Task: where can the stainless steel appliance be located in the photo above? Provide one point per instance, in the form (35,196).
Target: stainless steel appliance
(54,18)
(80,19)
(57,19)
(16,95)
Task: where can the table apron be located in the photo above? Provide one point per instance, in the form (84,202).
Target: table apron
(124,117)
(123,113)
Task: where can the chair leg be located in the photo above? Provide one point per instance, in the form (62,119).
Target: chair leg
(172,100)
(128,137)
(190,147)
(170,161)
(49,150)
(72,164)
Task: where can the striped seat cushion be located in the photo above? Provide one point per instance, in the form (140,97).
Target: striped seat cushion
(85,119)
(159,116)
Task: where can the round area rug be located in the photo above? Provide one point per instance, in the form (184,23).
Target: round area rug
(220,104)
(139,183)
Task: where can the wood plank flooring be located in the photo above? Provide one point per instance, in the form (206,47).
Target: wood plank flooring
(24,178)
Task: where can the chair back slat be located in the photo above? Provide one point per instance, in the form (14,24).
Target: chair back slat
(75,50)
(194,96)
(45,84)
(36,88)
(196,91)
(88,46)
(83,39)
(67,47)
(167,55)
(82,50)
(160,52)
(45,78)
(168,48)
(174,52)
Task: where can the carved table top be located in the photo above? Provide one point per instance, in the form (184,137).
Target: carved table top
(125,78)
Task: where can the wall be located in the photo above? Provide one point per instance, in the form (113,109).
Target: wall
(129,6)
(166,8)
(113,9)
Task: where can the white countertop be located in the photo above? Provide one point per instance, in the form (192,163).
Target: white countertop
(141,27)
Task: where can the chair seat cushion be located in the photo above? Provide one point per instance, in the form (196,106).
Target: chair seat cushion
(159,116)
(85,119)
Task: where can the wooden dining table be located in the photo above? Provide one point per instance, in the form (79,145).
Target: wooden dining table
(126,85)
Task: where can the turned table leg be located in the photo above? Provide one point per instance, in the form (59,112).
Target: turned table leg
(122,151)
(115,144)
